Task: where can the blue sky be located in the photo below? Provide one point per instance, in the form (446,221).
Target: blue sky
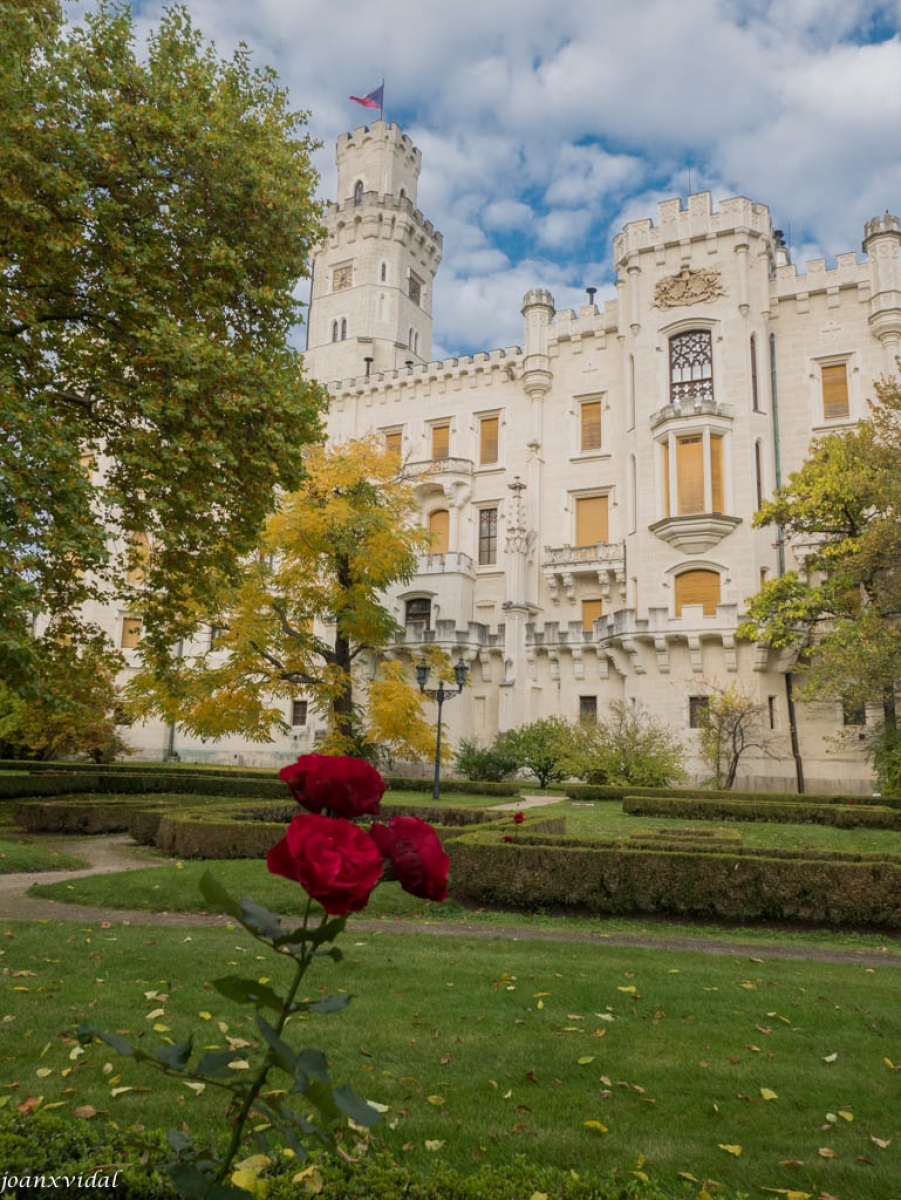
(545,126)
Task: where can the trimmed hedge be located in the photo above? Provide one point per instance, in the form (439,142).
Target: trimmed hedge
(534,872)
(700,808)
(402,783)
(587,791)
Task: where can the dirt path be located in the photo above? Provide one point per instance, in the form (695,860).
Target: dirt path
(108,855)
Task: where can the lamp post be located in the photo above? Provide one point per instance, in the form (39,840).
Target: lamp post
(439,695)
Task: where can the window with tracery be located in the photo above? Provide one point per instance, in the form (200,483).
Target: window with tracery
(691,366)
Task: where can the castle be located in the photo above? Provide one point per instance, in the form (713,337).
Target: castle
(591,494)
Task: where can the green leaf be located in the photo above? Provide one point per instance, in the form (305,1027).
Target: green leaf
(321,1095)
(175,1057)
(286,1058)
(213,891)
(214,1064)
(178,1140)
(248,991)
(329,1004)
(356,1108)
(314,1063)
(260,920)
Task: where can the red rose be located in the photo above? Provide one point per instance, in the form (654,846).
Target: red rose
(348,787)
(338,863)
(507,837)
(518,818)
(416,855)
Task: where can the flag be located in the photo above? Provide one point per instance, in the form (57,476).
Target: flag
(373,100)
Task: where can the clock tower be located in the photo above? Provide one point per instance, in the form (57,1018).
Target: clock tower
(373,272)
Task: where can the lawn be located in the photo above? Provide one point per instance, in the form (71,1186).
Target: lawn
(581,1056)
(25,854)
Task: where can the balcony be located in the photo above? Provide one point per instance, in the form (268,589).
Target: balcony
(438,466)
(452,562)
(603,561)
(697,406)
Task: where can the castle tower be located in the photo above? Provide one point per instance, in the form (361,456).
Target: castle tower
(373,272)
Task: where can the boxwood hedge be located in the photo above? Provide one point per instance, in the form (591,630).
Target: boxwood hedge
(849,815)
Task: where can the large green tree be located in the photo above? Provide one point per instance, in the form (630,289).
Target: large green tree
(841,512)
(308,617)
(155,215)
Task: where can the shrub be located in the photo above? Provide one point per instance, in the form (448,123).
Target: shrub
(794,812)
(484,764)
(628,747)
(540,748)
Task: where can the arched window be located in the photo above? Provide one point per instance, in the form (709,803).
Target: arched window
(344,329)
(698,587)
(403,193)
(384,272)
(410,338)
(358,192)
(334,331)
(758,471)
(691,366)
(439,528)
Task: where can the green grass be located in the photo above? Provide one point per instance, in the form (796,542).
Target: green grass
(25,854)
(477,1046)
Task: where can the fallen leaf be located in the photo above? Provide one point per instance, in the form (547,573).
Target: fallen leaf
(735,1151)
(595,1125)
(436,1100)
(30,1103)
(825,1152)
(769,1094)
(85,1110)
(629,988)
(830,1057)
(433,1146)
(883,1145)
(585,1060)
(845,1115)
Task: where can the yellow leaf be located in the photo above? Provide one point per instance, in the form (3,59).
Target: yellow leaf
(733,1150)
(888,1062)
(157,1012)
(595,1125)
(540,1004)
(434,1145)
(686,1174)
(536,995)
(76,1053)
(751,987)
(43,1072)
(311,1178)
(55,1104)
(883,1145)
(585,1060)
(640,1175)
(538,1196)
(119,1091)
(630,988)
(436,1100)
(845,1115)
(788,1193)
(205,1016)
(768,1094)
(194,1085)
(249,1181)
(830,1058)
(825,1152)
(158,1028)
(239,1064)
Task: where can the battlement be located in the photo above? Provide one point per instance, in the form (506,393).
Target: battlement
(877,225)
(386,202)
(589,319)
(816,277)
(538,297)
(387,135)
(699,219)
(506,361)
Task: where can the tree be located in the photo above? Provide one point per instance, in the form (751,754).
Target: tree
(629,747)
(72,710)
(326,556)
(484,764)
(731,723)
(155,215)
(842,514)
(539,748)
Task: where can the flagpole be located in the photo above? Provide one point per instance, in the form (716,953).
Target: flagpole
(382,105)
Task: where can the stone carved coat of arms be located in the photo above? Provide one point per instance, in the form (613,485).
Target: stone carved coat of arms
(688,287)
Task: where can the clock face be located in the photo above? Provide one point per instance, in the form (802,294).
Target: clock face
(342,278)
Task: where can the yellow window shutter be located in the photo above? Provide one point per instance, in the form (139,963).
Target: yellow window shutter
(488,440)
(139,554)
(698,587)
(131,632)
(591,610)
(440,441)
(665,449)
(717,487)
(835,392)
(690,474)
(591,520)
(591,425)
(393,444)
(439,528)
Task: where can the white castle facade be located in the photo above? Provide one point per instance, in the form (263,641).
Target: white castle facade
(591,494)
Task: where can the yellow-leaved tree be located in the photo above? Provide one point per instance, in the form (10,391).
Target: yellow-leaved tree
(309,614)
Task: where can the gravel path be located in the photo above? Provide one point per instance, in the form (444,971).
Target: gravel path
(108,855)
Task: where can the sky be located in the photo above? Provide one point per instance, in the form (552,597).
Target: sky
(545,126)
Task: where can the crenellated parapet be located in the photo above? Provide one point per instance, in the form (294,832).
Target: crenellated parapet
(347,212)
(696,221)
(487,368)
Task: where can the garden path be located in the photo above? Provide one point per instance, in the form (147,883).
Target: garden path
(109,854)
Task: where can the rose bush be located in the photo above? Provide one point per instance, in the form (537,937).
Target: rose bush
(346,787)
(416,855)
(336,862)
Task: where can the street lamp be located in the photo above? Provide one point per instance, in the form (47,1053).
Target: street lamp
(439,695)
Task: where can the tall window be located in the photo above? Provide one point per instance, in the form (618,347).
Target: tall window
(132,627)
(439,528)
(358,192)
(441,441)
(591,520)
(835,392)
(631,391)
(590,425)
(691,366)
(488,429)
(334,331)
(393,444)
(139,556)
(298,713)
(384,272)
(487,537)
(690,479)
(755,399)
(698,587)
(344,329)
(591,610)
(758,473)
(588,709)
(696,706)
(415,291)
